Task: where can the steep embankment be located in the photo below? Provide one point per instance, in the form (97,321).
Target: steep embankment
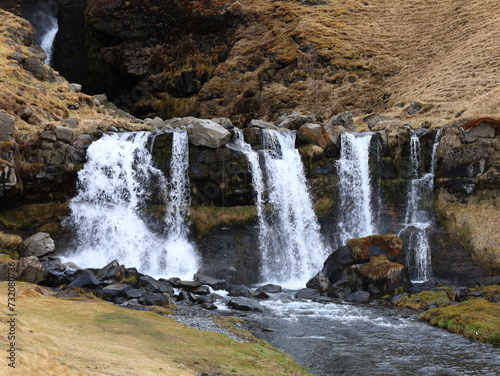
(252,59)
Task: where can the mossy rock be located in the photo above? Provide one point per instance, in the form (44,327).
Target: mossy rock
(9,242)
(442,296)
(205,218)
(477,319)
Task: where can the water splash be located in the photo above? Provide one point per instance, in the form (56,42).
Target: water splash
(108,213)
(289,235)
(418,219)
(356,215)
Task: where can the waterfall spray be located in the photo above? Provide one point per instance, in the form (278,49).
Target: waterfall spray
(107,214)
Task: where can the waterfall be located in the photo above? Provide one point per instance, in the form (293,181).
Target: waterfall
(108,213)
(418,219)
(356,215)
(43,17)
(292,249)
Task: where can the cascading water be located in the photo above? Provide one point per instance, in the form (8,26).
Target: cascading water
(289,235)
(417,219)
(43,17)
(109,210)
(356,215)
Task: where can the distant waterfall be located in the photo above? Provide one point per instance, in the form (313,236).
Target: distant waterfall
(43,17)
(356,215)
(418,219)
(108,213)
(289,234)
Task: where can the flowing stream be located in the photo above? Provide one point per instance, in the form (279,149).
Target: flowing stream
(352,340)
(108,214)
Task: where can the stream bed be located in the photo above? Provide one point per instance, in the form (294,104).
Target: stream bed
(365,340)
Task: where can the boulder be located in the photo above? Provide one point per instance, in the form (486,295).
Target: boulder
(333,265)
(359,297)
(7,124)
(179,123)
(384,274)
(208,133)
(109,271)
(413,108)
(314,134)
(245,304)
(38,69)
(9,242)
(157,299)
(86,279)
(37,245)
(270,289)
(115,290)
(186,296)
(30,270)
(261,124)
(294,120)
(75,88)
(343,119)
(239,290)
(307,293)
(64,133)
(375,245)
(156,123)
(224,122)
(319,282)
(136,293)
(374,119)
(216,284)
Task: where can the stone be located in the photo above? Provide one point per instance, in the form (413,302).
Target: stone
(157,299)
(294,120)
(113,271)
(374,119)
(101,98)
(343,119)
(239,290)
(216,284)
(333,265)
(319,282)
(270,288)
(314,134)
(75,88)
(208,133)
(38,69)
(224,122)
(461,293)
(38,52)
(63,133)
(38,245)
(48,135)
(485,129)
(261,124)
(157,123)
(149,283)
(26,113)
(374,245)
(307,293)
(209,306)
(413,108)
(384,274)
(397,298)
(359,297)
(201,290)
(186,296)
(30,270)
(245,304)
(71,123)
(115,290)
(86,279)
(204,299)
(7,125)
(179,123)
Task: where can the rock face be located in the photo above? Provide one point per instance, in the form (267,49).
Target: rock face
(375,245)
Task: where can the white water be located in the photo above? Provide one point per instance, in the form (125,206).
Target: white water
(418,220)
(356,216)
(46,26)
(107,214)
(292,249)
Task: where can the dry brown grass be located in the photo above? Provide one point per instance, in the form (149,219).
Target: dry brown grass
(89,337)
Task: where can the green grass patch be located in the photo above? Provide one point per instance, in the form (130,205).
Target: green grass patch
(476,319)
(441,296)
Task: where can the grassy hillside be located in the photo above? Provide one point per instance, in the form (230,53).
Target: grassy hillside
(79,336)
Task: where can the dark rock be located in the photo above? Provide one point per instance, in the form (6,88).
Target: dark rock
(294,120)
(216,284)
(239,290)
(204,299)
(359,297)
(201,290)
(155,298)
(63,133)
(108,270)
(324,299)
(7,124)
(245,304)
(86,279)
(136,293)
(343,119)
(396,298)
(165,287)
(115,290)
(461,293)
(307,294)
(149,283)
(38,69)
(224,122)
(209,306)
(270,289)
(332,267)
(413,108)
(38,245)
(186,296)
(319,282)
